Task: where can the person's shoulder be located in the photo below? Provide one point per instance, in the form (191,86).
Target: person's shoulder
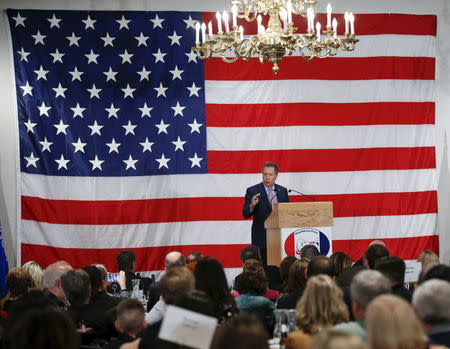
(280,187)
(255,187)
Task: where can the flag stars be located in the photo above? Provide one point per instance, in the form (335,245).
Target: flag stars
(174,38)
(159,56)
(23,55)
(112,111)
(161,90)
(162,127)
(162,161)
(131,163)
(31,160)
(94,92)
(39,38)
(92,57)
(145,110)
(113,146)
(146,145)
(195,126)
(190,23)
(157,22)
(19,20)
(62,163)
(30,125)
(78,111)
(178,109)
(79,146)
(179,144)
(176,73)
(46,145)
(110,75)
(123,22)
(60,91)
(142,40)
(192,56)
(73,40)
(128,91)
(54,22)
(129,128)
(144,73)
(126,57)
(108,40)
(95,128)
(193,90)
(27,89)
(195,161)
(57,56)
(89,22)
(76,74)
(96,163)
(43,109)
(61,127)
(41,73)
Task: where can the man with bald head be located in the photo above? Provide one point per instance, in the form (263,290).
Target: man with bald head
(51,280)
(174,259)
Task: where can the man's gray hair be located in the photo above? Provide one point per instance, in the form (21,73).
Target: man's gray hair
(368,284)
(174,259)
(432,301)
(54,272)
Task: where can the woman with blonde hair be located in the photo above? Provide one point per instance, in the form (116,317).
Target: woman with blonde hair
(36,273)
(335,339)
(321,306)
(392,323)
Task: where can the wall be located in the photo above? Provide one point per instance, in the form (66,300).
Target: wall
(8,126)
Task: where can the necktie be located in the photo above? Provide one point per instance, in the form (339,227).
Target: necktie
(271,197)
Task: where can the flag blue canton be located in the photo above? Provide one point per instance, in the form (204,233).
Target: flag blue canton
(108,93)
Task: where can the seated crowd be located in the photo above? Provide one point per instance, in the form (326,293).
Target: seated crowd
(337,303)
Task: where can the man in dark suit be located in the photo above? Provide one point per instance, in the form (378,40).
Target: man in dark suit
(259,200)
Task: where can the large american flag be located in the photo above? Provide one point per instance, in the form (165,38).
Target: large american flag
(127,140)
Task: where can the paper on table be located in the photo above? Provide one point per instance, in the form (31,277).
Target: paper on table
(188,328)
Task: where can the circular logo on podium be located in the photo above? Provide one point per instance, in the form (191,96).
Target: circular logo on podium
(306,236)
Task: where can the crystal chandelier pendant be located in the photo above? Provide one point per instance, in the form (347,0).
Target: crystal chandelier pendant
(280,38)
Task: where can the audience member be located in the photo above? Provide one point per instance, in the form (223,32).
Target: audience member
(295,286)
(42,329)
(360,262)
(33,300)
(432,303)
(285,265)
(344,279)
(428,259)
(320,265)
(51,281)
(366,285)
(440,271)
(210,278)
(98,291)
(242,332)
(18,282)
(172,259)
(335,339)
(252,286)
(130,320)
(309,251)
(255,264)
(392,324)
(394,269)
(320,307)
(36,273)
(272,271)
(194,257)
(185,275)
(373,253)
(341,261)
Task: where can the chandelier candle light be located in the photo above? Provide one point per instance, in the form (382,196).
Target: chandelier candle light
(279,39)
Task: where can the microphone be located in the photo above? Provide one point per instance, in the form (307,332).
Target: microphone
(298,192)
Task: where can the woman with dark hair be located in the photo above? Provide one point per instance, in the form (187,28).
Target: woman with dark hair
(252,286)
(285,265)
(341,261)
(295,285)
(210,278)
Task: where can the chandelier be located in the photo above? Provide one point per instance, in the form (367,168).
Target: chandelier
(278,39)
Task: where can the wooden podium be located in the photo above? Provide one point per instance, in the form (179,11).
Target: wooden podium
(294,215)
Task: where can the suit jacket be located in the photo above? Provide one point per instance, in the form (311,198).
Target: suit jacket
(261,211)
